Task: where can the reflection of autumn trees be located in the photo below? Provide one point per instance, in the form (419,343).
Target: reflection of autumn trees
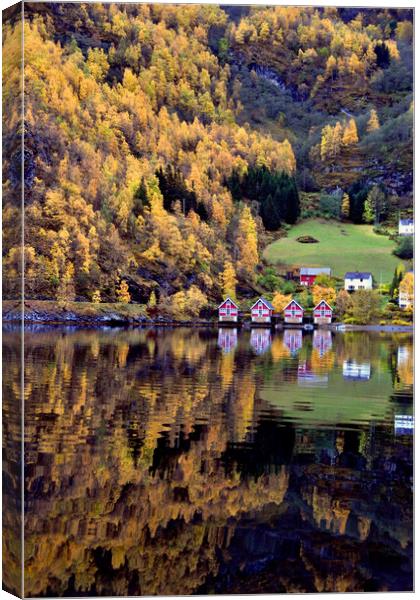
(146,450)
(12,465)
(138,460)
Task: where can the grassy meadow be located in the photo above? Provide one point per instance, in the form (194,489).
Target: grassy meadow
(342,246)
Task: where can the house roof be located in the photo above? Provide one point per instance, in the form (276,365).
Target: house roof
(315,270)
(265,301)
(291,302)
(225,300)
(322,301)
(406,221)
(357,275)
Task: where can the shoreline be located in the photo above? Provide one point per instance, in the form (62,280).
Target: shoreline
(81,314)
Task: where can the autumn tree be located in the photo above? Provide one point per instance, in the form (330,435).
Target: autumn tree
(247,243)
(152,300)
(373,122)
(123,295)
(365,306)
(345,206)
(228,280)
(368,210)
(350,136)
(280,301)
(407,287)
(343,303)
(320,292)
(96,297)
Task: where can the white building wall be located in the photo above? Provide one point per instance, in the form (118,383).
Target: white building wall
(358,284)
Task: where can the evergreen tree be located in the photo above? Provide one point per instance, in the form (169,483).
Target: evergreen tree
(396,280)
(383,58)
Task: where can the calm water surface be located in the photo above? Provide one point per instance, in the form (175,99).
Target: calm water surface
(192,461)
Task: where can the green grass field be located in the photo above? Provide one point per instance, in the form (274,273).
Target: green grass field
(343,247)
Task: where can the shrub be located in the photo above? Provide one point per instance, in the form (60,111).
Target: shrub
(381,230)
(288,287)
(269,279)
(404,248)
(350,321)
(307,239)
(399,322)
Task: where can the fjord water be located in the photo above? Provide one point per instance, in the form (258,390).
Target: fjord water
(192,461)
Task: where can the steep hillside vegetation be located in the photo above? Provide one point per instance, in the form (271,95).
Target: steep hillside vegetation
(163,141)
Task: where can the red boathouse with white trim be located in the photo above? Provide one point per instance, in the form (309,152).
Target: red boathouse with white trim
(228,311)
(322,313)
(262,311)
(293,312)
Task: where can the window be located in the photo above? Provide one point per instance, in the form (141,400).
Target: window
(228,310)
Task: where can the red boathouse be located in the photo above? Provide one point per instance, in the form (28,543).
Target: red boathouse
(228,311)
(262,311)
(293,312)
(322,313)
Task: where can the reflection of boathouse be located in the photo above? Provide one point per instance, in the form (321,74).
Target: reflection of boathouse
(355,370)
(292,339)
(307,377)
(260,340)
(228,339)
(322,341)
(403,355)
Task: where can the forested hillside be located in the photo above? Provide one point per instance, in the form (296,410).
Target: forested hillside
(162,143)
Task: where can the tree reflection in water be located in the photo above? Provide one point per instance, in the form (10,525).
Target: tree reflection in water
(182,462)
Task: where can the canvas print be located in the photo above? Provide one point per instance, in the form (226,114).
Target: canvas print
(207,299)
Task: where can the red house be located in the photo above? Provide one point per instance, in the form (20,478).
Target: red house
(228,311)
(293,312)
(323,313)
(262,311)
(309,274)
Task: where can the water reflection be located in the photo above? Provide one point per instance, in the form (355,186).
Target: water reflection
(292,339)
(227,339)
(356,370)
(260,340)
(185,461)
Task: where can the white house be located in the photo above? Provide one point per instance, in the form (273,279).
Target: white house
(353,280)
(406,227)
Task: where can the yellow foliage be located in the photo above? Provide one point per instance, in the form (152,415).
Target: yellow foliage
(280,301)
(123,295)
(323,293)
